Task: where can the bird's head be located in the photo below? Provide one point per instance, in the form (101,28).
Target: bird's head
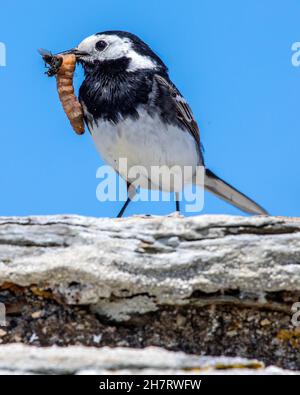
(115,47)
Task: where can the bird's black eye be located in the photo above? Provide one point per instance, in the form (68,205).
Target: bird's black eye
(100,45)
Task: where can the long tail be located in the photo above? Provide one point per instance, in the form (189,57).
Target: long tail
(220,188)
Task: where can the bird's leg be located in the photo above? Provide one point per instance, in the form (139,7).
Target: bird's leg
(177,203)
(120,215)
(131,194)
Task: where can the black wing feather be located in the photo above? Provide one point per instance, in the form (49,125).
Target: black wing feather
(183,110)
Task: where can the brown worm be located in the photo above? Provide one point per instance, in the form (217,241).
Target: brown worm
(65,88)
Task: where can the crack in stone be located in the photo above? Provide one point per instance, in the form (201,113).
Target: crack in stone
(24,243)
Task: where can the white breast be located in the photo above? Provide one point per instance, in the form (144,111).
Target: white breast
(146,142)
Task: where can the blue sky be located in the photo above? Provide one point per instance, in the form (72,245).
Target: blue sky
(231,60)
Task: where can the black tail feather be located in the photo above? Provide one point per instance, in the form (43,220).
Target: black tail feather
(222,189)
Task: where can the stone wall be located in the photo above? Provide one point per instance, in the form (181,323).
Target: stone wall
(206,285)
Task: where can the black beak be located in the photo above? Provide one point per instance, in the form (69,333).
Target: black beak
(75,52)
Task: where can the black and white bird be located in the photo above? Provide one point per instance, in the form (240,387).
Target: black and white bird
(134,111)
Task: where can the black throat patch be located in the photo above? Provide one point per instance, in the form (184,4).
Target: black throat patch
(109,92)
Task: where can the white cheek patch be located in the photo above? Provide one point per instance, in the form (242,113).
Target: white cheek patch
(139,62)
(114,51)
(118,48)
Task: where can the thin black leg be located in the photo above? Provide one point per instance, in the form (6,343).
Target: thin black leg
(177,204)
(120,215)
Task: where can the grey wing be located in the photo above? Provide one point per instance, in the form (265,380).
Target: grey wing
(183,111)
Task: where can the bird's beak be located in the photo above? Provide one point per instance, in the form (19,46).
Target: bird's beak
(74,51)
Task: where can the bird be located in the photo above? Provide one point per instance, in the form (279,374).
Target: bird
(133,110)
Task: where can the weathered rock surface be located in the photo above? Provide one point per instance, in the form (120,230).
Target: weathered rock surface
(80,360)
(214,285)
